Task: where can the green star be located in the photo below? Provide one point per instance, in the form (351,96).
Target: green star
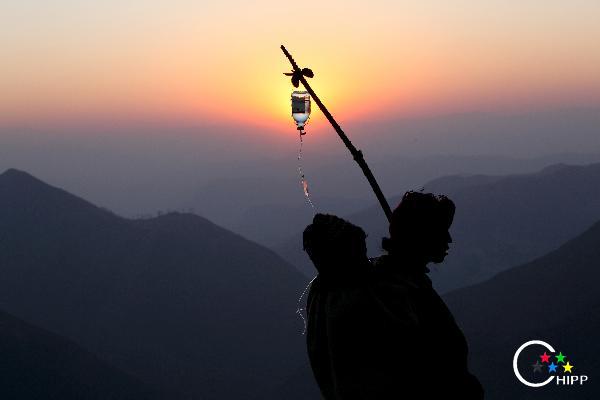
(560,358)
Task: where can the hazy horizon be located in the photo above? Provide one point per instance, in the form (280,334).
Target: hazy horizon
(141,168)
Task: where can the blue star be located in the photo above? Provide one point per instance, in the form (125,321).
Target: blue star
(552,367)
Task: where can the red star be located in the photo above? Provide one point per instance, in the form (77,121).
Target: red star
(545,358)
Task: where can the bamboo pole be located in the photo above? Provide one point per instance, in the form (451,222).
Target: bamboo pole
(356,154)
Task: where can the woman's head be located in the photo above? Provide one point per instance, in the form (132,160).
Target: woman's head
(419,227)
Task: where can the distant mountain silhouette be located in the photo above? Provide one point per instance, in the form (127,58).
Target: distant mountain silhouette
(37,364)
(500,221)
(271,188)
(554,298)
(174,300)
(511,220)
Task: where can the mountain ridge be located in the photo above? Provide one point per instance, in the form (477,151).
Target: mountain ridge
(175,300)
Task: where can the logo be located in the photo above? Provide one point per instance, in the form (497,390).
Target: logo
(545,368)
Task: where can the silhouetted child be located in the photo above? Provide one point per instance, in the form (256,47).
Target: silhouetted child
(376,328)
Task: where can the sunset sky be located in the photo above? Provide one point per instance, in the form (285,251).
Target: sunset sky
(220,61)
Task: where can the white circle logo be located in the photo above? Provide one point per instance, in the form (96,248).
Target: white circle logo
(516,358)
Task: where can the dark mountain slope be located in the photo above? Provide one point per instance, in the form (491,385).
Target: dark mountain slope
(36,364)
(174,300)
(553,298)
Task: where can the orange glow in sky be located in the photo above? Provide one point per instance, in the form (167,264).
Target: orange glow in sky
(222,62)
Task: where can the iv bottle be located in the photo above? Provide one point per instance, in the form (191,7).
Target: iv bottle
(300,109)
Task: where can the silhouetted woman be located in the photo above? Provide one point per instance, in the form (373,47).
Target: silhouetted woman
(376,328)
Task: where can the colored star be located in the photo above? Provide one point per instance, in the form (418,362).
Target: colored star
(552,367)
(560,358)
(568,367)
(545,358)
(537,367)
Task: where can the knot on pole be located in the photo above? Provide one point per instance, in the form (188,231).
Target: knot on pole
(298,73)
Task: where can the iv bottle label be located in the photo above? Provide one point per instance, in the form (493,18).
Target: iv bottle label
(298,105)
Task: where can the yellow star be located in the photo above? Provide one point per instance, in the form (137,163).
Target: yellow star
(568,367)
